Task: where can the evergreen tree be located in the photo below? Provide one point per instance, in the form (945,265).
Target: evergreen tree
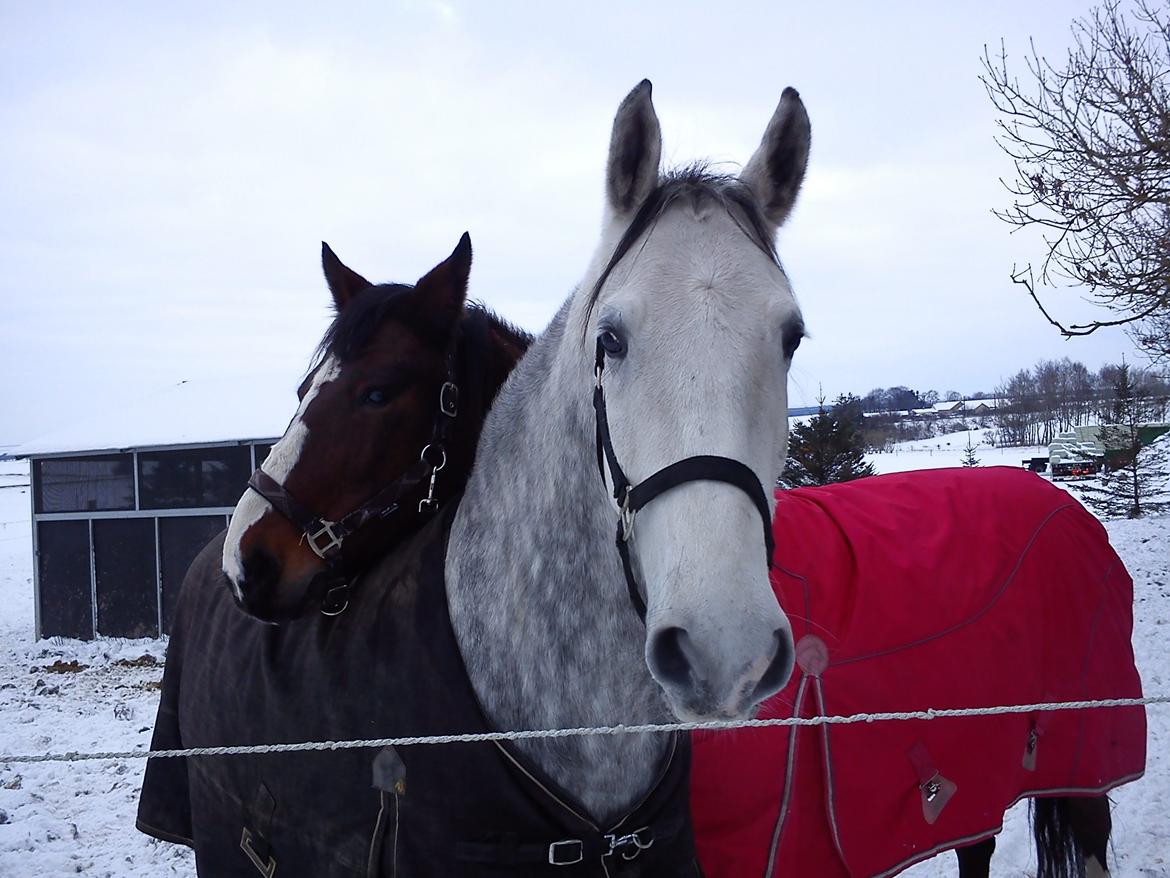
(969,458)
(1136,481)
(828,447)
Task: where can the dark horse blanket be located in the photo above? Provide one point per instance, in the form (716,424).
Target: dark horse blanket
(389,666)
(944,589)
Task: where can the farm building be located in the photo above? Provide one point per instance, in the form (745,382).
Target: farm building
(122,504)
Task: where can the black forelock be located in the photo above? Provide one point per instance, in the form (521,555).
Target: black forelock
(694,184)
(354,328)
(355,325)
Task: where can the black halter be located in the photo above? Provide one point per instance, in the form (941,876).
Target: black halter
(631,498)
(327,538)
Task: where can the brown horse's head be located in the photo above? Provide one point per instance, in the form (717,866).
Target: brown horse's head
(368,408)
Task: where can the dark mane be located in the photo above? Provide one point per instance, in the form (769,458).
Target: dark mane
(482,334)
(354,326)
(693,184)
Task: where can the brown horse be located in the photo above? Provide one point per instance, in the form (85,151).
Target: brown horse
(395,348)
(387,426)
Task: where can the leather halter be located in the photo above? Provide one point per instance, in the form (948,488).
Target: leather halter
(327,537)
(631,498)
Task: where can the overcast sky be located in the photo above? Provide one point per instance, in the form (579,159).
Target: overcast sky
(166,176)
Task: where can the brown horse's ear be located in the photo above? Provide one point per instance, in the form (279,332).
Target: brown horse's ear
(442,290)
(344,283)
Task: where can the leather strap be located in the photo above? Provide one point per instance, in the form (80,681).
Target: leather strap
(631,498)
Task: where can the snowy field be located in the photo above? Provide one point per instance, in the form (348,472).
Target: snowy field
(948,450)
(78,819)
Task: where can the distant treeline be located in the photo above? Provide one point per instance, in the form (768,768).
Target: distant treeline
(1057,395)
(1030,408)
(903,399)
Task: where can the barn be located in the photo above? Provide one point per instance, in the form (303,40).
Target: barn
(122,503)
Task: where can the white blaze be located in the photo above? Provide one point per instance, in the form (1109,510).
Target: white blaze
(279,463)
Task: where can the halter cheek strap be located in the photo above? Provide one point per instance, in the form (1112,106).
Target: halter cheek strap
(632,498)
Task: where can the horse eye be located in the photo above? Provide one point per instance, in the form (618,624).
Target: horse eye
(791,343)
(375,396)
(612,343)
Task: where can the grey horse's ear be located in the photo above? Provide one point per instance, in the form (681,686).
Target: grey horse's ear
(635,149)
(776,170)
(344,282)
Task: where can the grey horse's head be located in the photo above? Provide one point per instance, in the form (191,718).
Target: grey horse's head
(699,324)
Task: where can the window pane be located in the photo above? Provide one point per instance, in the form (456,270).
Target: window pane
(180,540)
(191,479)
(127,581)
(63,576)
(262,452)
(81,484)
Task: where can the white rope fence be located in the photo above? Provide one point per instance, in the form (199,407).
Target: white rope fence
(715,725)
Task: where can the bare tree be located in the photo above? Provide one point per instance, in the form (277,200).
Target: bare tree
(1137,479)
(1090,139)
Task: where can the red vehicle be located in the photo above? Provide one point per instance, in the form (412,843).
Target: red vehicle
(1075,469)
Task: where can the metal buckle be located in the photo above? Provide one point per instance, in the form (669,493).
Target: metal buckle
(627,518)
(266,869)
(931,788)
(633,840)
(575,852)
(334,542)
(449,399)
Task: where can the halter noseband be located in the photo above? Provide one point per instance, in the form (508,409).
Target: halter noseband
(325,537)
(631,498)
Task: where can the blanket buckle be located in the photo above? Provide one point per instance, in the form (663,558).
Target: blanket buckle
(567,852)
(631,844)
(266,869)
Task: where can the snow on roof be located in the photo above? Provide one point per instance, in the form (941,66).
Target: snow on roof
(198,411)
(951,405)
(970,405)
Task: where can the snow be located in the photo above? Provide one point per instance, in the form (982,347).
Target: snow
(78,819)
(948,450)
(190,412)
(59,819)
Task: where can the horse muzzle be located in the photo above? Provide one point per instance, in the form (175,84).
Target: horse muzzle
(725,682)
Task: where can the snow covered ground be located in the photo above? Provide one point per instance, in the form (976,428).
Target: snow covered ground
(78,819)
(948,450)
(70,819)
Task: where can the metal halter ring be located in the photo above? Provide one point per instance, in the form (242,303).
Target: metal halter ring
(336,600)
(442,456)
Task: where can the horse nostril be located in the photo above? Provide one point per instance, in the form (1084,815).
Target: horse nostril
(779,669)
(671,653)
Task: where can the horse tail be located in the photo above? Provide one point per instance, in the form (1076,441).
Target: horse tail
(1057,853)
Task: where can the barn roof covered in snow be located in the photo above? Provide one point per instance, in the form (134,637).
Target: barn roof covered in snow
(196,412)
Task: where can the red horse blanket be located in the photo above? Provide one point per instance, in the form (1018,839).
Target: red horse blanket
(947,588)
